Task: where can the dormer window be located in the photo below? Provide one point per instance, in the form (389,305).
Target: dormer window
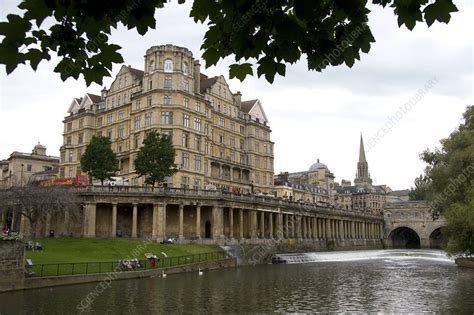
(168,65)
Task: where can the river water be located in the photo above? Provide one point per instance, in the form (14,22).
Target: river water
(364,281)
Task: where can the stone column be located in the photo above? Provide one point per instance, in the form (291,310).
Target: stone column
(352,230)
(198,222)
(231,223)
(270,225)
(181,222)
(134,220)
(154,225)
(253,224)
(89,220)
(280,230)
(241,223)
(293,226)
(162,219)
(341,229)
(262,224)
(287,226)
(217,222)
(113,232)
(303,223)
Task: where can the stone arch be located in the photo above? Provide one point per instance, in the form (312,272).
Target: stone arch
(436,238)
(404,237)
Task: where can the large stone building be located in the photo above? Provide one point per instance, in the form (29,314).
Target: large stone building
(19,168)
(219,139)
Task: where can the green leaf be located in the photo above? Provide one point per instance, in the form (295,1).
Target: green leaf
(240,71)
(439,11)
(211,56)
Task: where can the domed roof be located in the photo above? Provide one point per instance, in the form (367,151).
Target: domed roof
(317,166)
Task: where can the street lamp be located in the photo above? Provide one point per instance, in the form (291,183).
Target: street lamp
(21,177)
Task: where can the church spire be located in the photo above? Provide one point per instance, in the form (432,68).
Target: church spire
(362,150)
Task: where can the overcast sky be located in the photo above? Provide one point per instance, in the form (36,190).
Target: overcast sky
(313,115)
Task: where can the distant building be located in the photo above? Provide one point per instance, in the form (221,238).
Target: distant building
(398,196)
(19,168)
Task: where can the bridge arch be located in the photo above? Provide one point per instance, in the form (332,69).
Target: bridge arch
(436,238)
(404,237)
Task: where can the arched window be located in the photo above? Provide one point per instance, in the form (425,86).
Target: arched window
(151,66)
(168,65)
(185,67)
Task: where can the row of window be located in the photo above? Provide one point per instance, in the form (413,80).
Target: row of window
(168,66)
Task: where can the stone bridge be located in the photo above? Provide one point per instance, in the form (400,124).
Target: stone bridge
(409,224)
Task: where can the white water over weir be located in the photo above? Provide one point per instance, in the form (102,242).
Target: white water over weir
(393,254)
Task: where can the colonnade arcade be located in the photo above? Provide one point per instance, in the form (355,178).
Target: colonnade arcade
(214,221)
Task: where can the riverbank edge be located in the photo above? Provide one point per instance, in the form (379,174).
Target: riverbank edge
(46,282)
(465,262)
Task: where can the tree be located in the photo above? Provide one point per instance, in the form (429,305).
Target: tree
(420,190)
(450,172)
(99,161)
(155,159)
(264,34)
(37,203)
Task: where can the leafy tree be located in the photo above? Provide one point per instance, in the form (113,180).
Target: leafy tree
(36,203)
(264,34)
(155,159)
(420,190)
(99,160)
(450,172)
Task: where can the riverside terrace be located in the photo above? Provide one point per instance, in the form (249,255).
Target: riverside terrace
(211,216)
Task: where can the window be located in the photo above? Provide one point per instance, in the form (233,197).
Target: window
(206,147)
(232,142)
(197,124)
(221,138)
(71,154)
(28,168)
(148,101)
(197,143)
(151,66)
(137,105)
(241,143)
(118,101)
(221,154)
(81,122)
(232,156)
(185,160)
(69,172)
(109,133)
(185,120)
(119,147)
(265,163)
(221,121)
(185,140)
(197,183)
(265,148)
(232,126)
(242,129)
(120,131)
(167,100)
(166,118)
(167,84)
(186,102)
(121,114)
(197,162)
(80,138)
(138,120)
(99,122)
(257,178)
(168,65)
(206,112)
(148,119)
(185,67)
(184,181)
(137,141)
(257,162)
(257,146)
(61,172)
(63,155)
(79,154)
(68,140)
(150,84)
(109,118)
(186,85)
(198,107)
(69,126)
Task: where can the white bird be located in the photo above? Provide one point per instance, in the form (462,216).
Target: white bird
(200,272)
(164,254)
(163,274)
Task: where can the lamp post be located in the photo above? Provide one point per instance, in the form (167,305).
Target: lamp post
(21,177)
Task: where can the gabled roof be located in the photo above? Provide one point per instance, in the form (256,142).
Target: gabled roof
(75,105)
(255,109)
(136,72)
(207,83)
(94,98)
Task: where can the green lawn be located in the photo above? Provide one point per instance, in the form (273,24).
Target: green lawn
(72,250)
(68,256)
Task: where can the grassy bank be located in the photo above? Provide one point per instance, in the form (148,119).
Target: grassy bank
(74,250)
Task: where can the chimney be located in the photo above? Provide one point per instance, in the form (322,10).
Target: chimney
(237,99)
(197,77)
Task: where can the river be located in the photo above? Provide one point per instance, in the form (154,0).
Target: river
(364,281)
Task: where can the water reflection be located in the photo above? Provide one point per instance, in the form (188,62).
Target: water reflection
(384,284)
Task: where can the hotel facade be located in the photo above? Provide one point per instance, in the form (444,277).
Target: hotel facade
(219,139)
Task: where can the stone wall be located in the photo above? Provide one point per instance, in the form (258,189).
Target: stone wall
(12,261)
